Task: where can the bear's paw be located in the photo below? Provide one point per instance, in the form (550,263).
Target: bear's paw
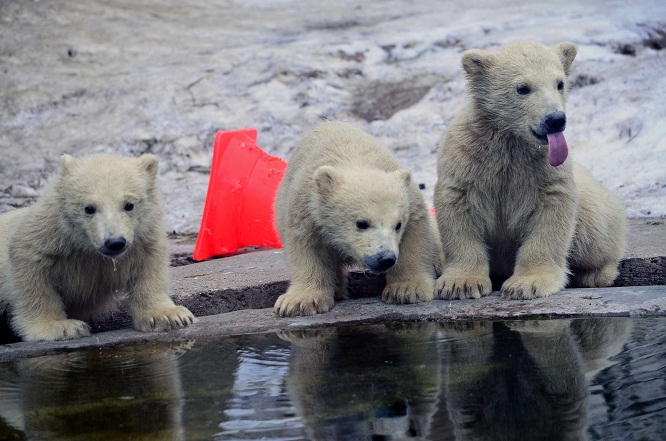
(547,327)
(315,336)
(164,319)
(52,330)
(597,278)
(303,301)
(455,287)
(409,291)
(466,327)
(528,287)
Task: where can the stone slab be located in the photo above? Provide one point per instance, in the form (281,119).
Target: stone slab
(235,294)
(601,302)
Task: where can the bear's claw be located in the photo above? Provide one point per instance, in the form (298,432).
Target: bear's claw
(175,317)
(539,326)
(301,302)
(411,291)
(57,330)
(530,287)
(452,288)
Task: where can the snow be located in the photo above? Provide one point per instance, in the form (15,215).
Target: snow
(164,76)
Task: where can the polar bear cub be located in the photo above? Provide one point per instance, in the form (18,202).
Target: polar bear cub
(509,203)
(95,235)
(345,200)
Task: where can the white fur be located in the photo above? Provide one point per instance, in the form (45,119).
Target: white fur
(53,273)
(502,209)
(339,176)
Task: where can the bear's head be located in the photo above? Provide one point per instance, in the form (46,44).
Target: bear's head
(363,213)
(520,90)
(107,201)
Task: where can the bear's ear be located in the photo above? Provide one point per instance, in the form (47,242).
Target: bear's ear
(476,61)
(327,178)
(150,163)
(66,164)
(567,51)
(405,176)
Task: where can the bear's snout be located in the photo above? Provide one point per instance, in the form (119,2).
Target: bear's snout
(114,246)
(382,261)
(555,122)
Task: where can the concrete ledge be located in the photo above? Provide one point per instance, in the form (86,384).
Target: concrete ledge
(246,281)
(255,280)
(625,301)
(235,295)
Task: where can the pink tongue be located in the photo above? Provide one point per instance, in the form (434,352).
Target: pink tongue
(557,149)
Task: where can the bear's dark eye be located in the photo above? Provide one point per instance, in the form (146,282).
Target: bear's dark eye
(560,86)
(398,227)
(523,89)
(129,206)
(362,225)
(89,209)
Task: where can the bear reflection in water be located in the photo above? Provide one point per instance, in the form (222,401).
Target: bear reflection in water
(454,380)
(135,392)
(376,380)
(409,380)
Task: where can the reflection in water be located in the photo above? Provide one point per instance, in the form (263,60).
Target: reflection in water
(354,383)
(93,395)
(525,380)
(258,408)
(556,379)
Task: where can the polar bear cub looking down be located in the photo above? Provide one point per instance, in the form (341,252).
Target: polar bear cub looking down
(345,200)
(509,203)
(96,234)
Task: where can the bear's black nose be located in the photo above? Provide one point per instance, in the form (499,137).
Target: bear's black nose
(386,260)
(114,246)
(555,122)
(381,261)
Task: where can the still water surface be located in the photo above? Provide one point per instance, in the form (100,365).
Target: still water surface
(597,379)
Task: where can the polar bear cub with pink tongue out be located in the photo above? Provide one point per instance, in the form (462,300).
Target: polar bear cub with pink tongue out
(511,207)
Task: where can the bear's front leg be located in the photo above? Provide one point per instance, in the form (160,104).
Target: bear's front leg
(466,268)
(412,280)
(313,283)
(150,305)
(541,263)
(39,313)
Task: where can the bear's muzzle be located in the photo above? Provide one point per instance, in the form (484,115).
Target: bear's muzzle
(380,262)
(113,247)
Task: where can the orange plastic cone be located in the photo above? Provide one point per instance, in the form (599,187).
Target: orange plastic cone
(239,209)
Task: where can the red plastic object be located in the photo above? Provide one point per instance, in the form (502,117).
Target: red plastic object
(239,209)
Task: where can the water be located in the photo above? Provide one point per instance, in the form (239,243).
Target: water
(597,379)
